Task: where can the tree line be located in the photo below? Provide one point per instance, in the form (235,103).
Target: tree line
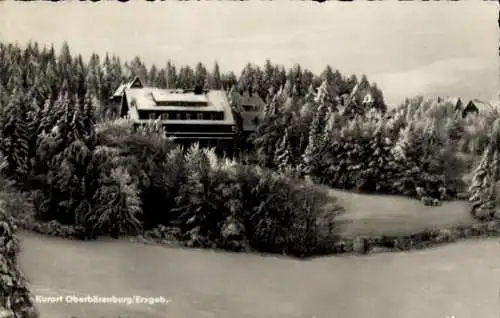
(43,73)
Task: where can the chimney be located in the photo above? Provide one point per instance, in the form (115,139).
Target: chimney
(198,90)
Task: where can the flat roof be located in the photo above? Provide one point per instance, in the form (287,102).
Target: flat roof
(144,98)
(167,96)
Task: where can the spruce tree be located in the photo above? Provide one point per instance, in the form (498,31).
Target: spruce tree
(311,155)
(79,78)
(77,124)
(95,76)
(283,157)
(117,205)
(308,157)
(14,136)
(216,81)
(200,75)
(194,208)
(88,117)
(108,78)
(482,191)
(34,119)
(380,169)
(48,118)
(268,133)
(64,115)
(479,191)
(153,76)
(171,75)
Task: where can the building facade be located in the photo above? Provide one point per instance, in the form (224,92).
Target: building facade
(250,108)
(187,115)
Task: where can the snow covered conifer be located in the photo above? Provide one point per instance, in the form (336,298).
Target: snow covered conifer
(283,155)
(15,137)
(482,191)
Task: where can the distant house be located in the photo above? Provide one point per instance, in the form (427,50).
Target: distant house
(478,108)
(250,107)
(187,115)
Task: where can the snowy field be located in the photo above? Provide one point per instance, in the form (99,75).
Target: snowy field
(460,280)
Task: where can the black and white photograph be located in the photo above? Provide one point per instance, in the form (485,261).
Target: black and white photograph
(249,159)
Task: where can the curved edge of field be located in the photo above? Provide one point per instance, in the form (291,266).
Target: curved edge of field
(376,215)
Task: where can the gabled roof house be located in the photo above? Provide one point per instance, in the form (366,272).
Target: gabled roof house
(250,107)
(478,107)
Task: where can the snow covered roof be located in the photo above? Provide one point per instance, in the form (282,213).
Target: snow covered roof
(119,90)
(151,98)
(483,108)
(135,82)
(145,99)
(175,96)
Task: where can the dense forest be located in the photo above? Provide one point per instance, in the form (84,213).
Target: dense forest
(43,74)
(73,172)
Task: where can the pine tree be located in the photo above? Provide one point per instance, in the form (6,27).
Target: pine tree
(77,124)
(171,75)
(69,170)
(193,206)
(80,75)
(95,76)
(108,81)
(137,68)
(330,123)
(64,114)
(245,79)
(117,73)
(34,119)
(307,165)
(14,136)
(479,191)
(482,192)
(200,76)
(153,76)
(117,205)
(48,118)
(268,133)
(52,81)
(283,157)
(216,77)
(380,169)
(15,80)
(257,84)
(310,158)
(185,78)
(88,117)
(352,108)
(161,79)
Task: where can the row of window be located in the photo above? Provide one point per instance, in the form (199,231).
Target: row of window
(181,104)
(186,116)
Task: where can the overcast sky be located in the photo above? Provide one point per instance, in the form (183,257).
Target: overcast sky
(445,48)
